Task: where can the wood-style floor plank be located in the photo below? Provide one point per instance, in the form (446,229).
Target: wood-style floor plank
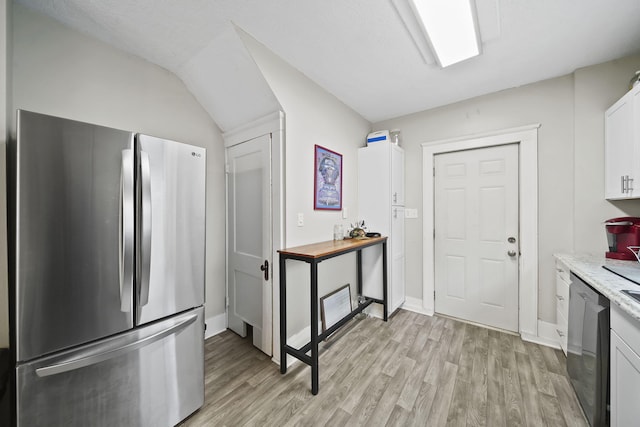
(388,400)
(477,406)
(530,395)
(419,414)
(539,370)
(442,402)
(413,370)
(513,397)
(412,387)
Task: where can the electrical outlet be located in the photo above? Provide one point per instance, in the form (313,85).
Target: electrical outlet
(300,219)
(345,213)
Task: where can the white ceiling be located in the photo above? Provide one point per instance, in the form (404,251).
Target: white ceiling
(359,50)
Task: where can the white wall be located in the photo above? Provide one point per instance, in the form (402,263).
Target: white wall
(61,72)
(313,116)
(570,110)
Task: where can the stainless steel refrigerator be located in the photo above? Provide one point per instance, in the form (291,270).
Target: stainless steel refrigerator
(107,263)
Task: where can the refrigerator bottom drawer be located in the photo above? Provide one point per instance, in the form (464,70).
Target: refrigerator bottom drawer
(151,376)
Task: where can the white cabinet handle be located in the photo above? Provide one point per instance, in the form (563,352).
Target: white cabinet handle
(560,297)
(560,332)
(622,186)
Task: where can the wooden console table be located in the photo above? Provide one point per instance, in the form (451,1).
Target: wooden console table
(314,254)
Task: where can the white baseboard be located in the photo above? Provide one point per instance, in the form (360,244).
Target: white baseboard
(215,325)
(547,335)
(415,305)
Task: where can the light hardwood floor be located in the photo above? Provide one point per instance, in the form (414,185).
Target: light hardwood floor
(414,370)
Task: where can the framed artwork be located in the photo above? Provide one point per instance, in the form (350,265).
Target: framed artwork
(335,306)
(327,189)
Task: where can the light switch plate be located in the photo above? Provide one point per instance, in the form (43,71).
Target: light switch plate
(300,219)
(411,213)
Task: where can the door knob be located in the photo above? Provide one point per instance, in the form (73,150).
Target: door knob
(511,253)
(265,267)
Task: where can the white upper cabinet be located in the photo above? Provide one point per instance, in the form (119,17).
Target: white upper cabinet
(622,147)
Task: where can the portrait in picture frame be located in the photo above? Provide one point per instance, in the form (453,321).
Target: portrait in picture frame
(327,191)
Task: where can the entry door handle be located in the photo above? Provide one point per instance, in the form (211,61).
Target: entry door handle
(265,267)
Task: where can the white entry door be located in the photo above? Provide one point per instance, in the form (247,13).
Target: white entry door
(476,235)
(249,245)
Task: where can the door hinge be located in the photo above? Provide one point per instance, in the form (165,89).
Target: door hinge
(227,168)
(226,301)
(434,171)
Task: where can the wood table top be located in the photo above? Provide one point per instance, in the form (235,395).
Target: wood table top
(331,247)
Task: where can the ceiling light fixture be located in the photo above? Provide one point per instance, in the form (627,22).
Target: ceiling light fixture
(450,27)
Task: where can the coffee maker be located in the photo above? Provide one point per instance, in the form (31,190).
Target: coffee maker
(621,233)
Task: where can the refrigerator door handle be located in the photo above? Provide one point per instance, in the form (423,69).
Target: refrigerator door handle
(126,231)
(112,350)
(145,248)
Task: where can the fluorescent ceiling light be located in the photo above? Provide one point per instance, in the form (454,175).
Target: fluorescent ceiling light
(450,27)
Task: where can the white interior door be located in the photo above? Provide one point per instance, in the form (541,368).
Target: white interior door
(249,241)
(476,235)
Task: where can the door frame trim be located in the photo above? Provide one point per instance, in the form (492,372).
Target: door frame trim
(527,139)
(273,124)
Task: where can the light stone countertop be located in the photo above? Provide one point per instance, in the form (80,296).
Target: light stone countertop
(589,268)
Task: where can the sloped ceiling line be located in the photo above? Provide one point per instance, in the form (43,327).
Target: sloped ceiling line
(227,82)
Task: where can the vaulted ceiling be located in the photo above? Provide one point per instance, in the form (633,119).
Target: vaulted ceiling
(358,50)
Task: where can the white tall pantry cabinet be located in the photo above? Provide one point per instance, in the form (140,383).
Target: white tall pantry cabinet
(381,206)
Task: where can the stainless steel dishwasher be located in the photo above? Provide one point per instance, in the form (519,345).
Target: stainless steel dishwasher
(588,350)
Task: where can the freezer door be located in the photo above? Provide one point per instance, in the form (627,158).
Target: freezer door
(71,259)
(151,376)
(171,227)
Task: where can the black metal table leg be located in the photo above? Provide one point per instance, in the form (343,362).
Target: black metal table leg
(359,271)
(283,315)
(385,296)
(314,328)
